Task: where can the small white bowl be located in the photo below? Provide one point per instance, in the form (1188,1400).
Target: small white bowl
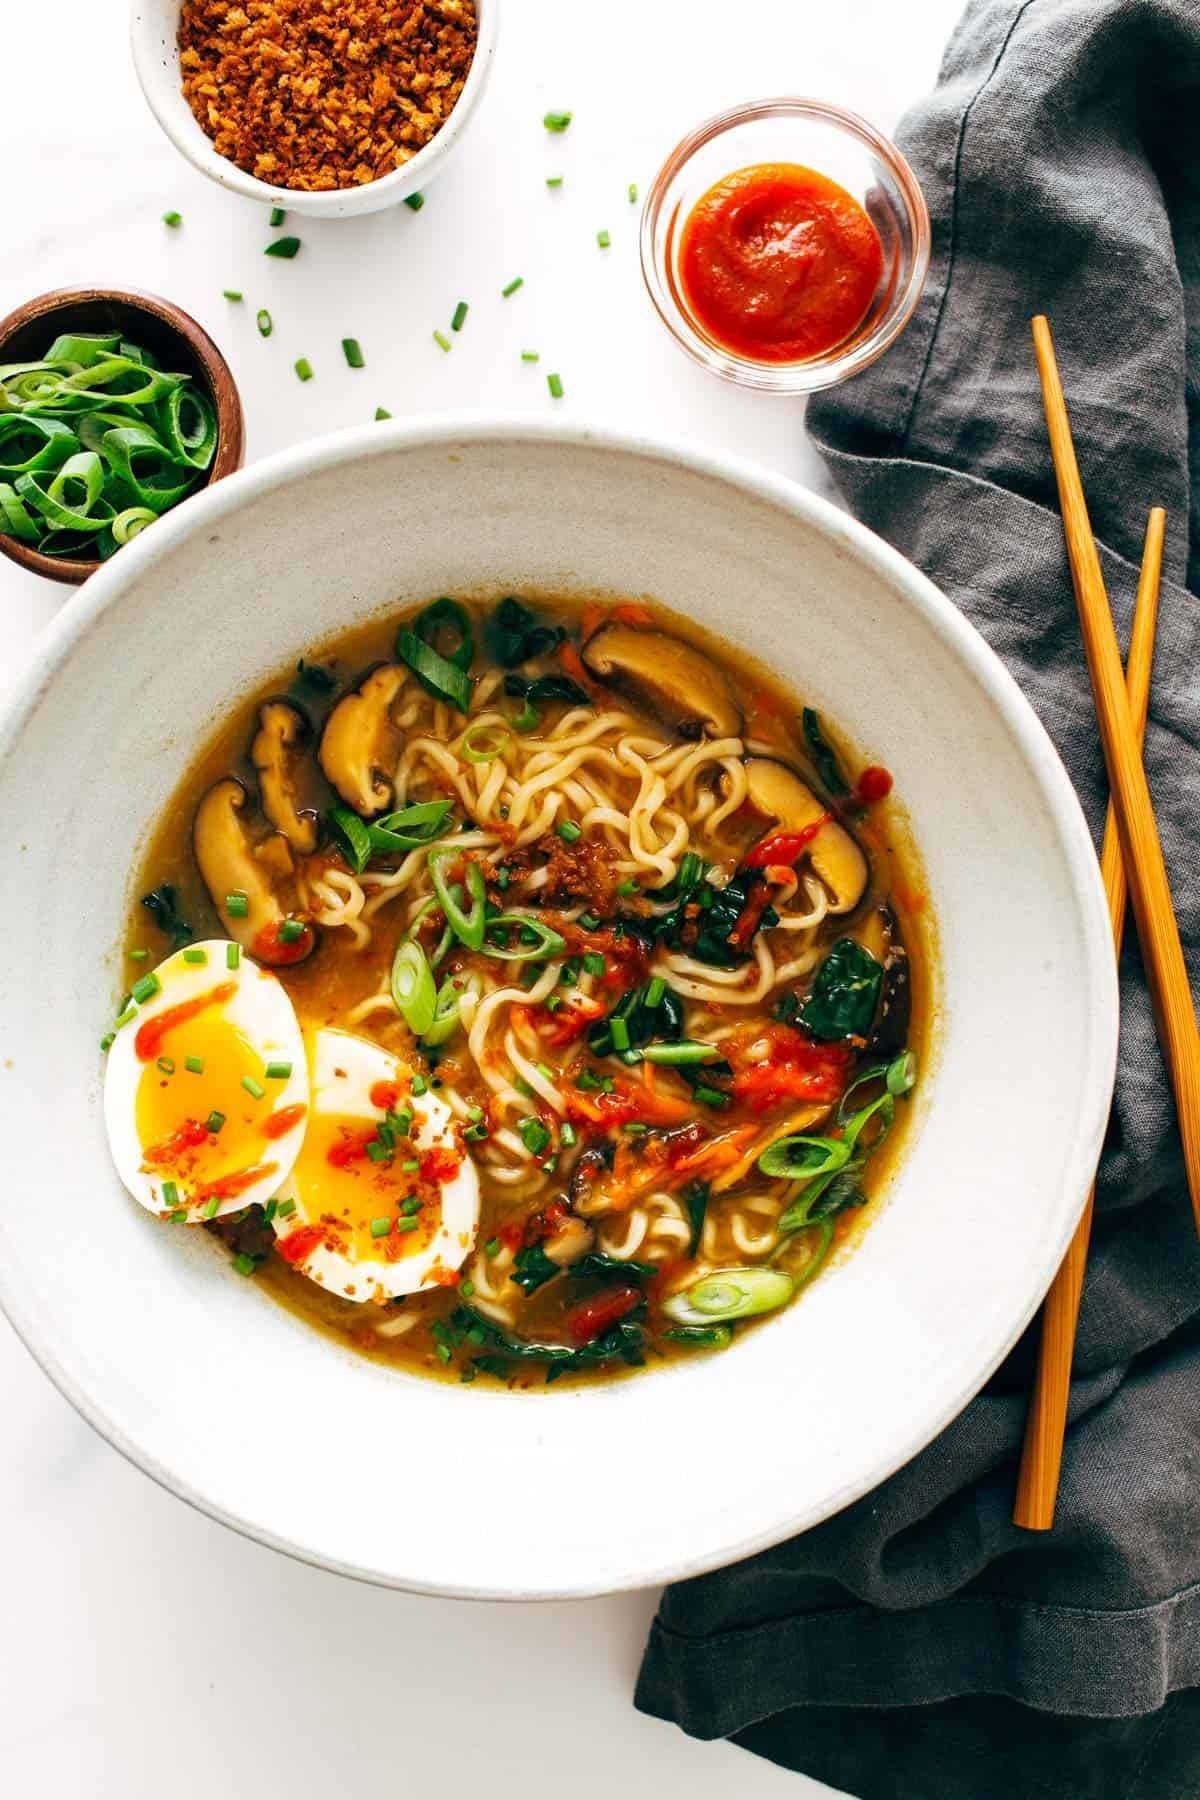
(472,1490)
(153,27)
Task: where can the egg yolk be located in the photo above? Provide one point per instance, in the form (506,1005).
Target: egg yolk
(354,1195)
(199,1126)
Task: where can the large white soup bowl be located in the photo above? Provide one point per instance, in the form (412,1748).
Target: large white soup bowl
(239,1407)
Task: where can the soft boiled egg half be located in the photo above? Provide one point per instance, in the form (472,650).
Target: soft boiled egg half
(382,1199)
(206,1090)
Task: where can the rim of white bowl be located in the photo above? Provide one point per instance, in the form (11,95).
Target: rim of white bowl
(160,83)
(84,609)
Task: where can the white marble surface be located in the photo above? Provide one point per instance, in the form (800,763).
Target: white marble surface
(146,1653)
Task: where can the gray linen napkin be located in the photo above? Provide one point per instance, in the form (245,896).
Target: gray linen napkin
(918,1646)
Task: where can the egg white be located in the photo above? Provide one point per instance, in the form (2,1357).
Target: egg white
(343,1069)
(261,1010)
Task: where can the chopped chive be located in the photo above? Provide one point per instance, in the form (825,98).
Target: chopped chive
(516,282)
(492,1247)
(568,1137)
(303,368)
(411,1166)
(627,887)
(460,316)
(233,955)
(237,905)
(381,412)
(443,1352)
(210,1207)
(231,294)
(603,239)
(137,955)
(352,351)
(554,181)
(556,121)
(178,1217)
(466,1288)
(107,1041)
(286,1209)
(166,1064)
(381,1228)
(401,1121)
(387,1135)
(442,342)
(194,1065)
(419,1085)
(533,1135)
(406,1225)
(269,1211)
(145,989)
(378,1151)
(277,216)
(655,990)
(284,246)
(256,1090)
(569,831)
(214,1122)
(594,963)
(291,931)
(554,383)
(619,1031)
(709,1096)
(475,1134)
(173,219)
(410,1204)
(475,1113)
(170,1194)
(414,201)
(124,1016)
(635,1128)
(589,920)
(633,193)
(264,322)
(245,1265)
(530,356)
(278,1071)
(195,956)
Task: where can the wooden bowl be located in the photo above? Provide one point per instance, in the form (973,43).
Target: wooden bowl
(182,347)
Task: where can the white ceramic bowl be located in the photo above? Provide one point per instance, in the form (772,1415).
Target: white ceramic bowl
(153,27)
(224,1397)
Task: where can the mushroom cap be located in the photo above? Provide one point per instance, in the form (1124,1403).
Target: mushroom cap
(360,740)
(774,789)
(278,745)
(229,864)
(682,685)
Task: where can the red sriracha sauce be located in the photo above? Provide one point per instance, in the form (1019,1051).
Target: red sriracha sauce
(778,263)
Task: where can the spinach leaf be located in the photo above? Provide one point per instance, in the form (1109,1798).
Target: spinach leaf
(843,1191)
(720,910)
(625,1342)
(532,1268)
(546,687)
(695,1199)
(844,995)
(599,1263)
(515,635)
(824,761)
(162,905)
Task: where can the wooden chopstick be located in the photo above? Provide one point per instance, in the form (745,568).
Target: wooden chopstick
(1046,1424)
(1149,888)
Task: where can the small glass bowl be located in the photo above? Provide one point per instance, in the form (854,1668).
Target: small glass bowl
(818,136)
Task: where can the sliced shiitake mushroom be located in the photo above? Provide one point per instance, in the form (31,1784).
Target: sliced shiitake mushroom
(774,789)
(680,684)
(230,863)
(570,1242)
(360,742)
(893,1015)
(276,753)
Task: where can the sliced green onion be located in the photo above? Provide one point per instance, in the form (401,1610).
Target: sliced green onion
(619,1032)
(194,1065)
(518,281)
(554,181)
(210,1208)
(483,743)
(492,1247)
(419,1085)
(263,320)
(378,1151)
(284,246)
(533,1135)
(173,219)
(129,523)
(278,1071)
(254,1088)
(625,888)
(684,1054)
(413,990)
(800,1158)
(137,955)
(603,239)
(237,905)
(108,1040)
(446,616)
(214,1122)
(730,1294)
(245,1265)
(569,831)
(467,923)
(406,1225)
(195,956)
(232,294)
(124,1016)
(352,351)
(556,121)
(276,216)
(709,1096)
(460,316)
(594,963)
(381,1228)
(530,356)
(554,383)
(544,943)
(901,1075)
(187,423)
(701,1337)
(233,956)
(291,931)
(441,340)
(447,1012)
(411,827)
(170,1194)
(440,676)
(411,1206)
(286,1209)
(145,989)
(303,368)
(655,989)
(352,837)
(414,201)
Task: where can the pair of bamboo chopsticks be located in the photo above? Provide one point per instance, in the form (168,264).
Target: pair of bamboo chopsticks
(1132,854)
